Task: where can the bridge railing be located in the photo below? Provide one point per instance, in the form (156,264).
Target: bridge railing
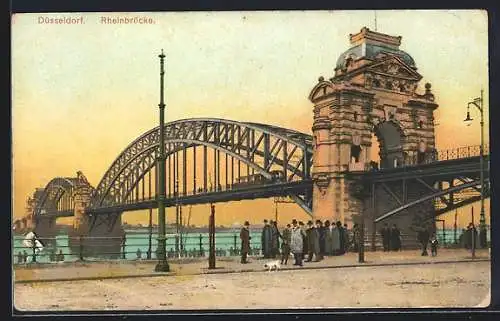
(136,247)
(131,247)
(414,158)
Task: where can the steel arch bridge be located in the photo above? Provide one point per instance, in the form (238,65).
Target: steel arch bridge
(257,161)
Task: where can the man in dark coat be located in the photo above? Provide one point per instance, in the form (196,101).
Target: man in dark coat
(347,242)
(245,242)
(313,242)
(275,239)
(423,238)
(467,237)
(266,240)
(395,244)
(355,237)
(385,232)
(304,239)
(328,238)
(321,238)
(285,244)
(342,232)
(472,236)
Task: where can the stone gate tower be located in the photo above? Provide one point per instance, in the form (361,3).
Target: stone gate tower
(373,92)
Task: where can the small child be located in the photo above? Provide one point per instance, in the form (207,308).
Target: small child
(434,245)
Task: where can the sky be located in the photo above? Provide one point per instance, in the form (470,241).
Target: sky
(82,92)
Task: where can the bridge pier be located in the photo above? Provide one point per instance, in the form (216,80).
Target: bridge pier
(45,228)
(100,236)
(97,235)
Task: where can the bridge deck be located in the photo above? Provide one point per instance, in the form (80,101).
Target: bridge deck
(251,192)
(452,168)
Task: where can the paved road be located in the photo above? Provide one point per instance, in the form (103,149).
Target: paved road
(427,285)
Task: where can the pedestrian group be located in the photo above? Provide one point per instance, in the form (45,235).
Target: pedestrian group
(307,244)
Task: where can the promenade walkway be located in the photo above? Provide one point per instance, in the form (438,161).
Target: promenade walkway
(144,268)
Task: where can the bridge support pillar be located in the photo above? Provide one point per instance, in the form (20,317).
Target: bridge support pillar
(101,235)
(44,228)
(81,198)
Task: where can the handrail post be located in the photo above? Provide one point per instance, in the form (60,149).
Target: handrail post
(123,248)
(201,245)
(80,243)
(235,243)
(34,250)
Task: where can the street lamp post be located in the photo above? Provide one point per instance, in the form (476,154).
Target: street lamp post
(478,103)
(162,265)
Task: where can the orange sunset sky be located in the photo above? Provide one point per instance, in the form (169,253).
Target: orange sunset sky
(82,93)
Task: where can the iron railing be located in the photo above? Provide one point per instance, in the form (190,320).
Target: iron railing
(119,248)
(129,248)
(415,158)
(412,157)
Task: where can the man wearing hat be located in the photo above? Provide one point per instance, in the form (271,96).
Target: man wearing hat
(245,242)
(296,243)
(313,242)
(304,239)
(285,244)
(266,240)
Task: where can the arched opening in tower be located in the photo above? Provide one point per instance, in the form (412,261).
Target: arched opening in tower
(374,153)
(386,149)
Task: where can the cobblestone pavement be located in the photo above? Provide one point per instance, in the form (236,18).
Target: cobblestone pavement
(463,284)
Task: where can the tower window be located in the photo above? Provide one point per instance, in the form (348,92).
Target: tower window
(355,152)
(376,82)
(420,124)
(388,85)
(355,116)
(402,88)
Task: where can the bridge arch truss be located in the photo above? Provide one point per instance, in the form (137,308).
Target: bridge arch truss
(206,155)
(57,197)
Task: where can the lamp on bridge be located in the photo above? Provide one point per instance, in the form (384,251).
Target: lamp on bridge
(162,265)
(478,103)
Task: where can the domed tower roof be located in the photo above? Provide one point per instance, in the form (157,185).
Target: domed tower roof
(368,44)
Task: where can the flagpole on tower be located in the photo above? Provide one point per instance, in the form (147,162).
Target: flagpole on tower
(375,12)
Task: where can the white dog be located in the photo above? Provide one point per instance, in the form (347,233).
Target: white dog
(276,265)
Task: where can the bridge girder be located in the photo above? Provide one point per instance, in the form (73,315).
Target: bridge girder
(263,148)
(449,183)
